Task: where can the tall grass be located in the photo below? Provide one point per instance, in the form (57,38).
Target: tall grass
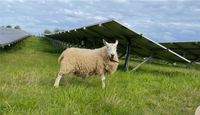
(28,71)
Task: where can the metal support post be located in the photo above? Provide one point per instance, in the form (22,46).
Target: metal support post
(140,64)
(128,51)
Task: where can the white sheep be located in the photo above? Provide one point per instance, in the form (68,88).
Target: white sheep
(87,62)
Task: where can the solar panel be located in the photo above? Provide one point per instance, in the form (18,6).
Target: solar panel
(190,50)
(9,36)
(111,30)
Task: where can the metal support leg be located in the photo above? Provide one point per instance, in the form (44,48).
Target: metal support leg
(128,51)
(147,59)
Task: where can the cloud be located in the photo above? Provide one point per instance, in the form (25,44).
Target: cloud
(161,20)
(167,36)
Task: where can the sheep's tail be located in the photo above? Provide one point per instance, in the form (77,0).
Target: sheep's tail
(60,58)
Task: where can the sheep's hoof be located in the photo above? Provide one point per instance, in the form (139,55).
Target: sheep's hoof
(56,86)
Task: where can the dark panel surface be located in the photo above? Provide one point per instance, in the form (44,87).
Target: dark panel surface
(112,30)
(9,36)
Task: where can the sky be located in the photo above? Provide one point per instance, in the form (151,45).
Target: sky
(160,20)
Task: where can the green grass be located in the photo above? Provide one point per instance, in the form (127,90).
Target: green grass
(28,70)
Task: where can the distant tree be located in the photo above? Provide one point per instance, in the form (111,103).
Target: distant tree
(8,26)
(17,27)
(46,31)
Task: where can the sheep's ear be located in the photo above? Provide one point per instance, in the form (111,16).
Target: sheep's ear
(105,43)
(116,42)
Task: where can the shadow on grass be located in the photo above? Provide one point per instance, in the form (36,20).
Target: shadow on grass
(72,80)
(169,74)
(155,62)
(88,82)
(52,51)
(159,72)
(50,48)
(120,67)
(134,62)
(13,48)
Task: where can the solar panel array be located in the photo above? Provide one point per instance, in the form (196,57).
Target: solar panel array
(190,50)
(111,30)
(9,36)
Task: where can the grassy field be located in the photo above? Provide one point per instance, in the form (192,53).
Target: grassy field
(28,70)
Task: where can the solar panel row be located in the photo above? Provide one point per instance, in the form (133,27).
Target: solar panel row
(111,30)
(9,36)
(190,50)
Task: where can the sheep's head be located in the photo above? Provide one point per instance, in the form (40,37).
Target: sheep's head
(111,50)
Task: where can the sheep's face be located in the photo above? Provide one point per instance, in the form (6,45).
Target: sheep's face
(111,49)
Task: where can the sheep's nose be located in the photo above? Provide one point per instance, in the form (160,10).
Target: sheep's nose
(112,55)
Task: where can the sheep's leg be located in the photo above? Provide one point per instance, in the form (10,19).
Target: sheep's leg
(61,72)
(56,84)
(103,78)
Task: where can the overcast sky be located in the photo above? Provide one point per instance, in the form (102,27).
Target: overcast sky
(160,20)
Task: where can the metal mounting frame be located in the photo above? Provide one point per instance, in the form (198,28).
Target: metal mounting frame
(140,64)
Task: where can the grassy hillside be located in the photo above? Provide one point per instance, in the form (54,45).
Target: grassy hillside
(28,70)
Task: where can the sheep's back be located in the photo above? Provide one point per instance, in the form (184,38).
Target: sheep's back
(84,61)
